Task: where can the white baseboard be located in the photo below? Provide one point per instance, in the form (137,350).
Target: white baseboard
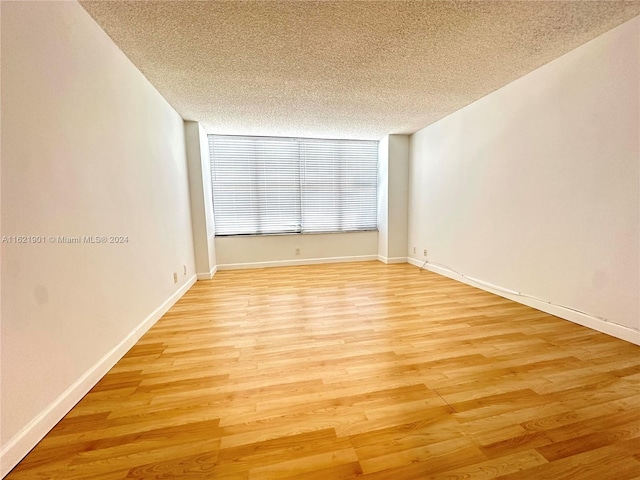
(613,329)
(21,443)
(207,275)
(291,263)
(390,260)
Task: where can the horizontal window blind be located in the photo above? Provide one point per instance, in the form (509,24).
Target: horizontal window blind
(265,185)
(256,185)
(339,185)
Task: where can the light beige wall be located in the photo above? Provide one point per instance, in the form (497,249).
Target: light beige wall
(201,199)
(89,148)
(398,195)
(393,192)
(535,187)
(280,250)
(383,198)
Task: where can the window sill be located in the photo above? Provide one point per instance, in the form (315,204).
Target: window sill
(290,234)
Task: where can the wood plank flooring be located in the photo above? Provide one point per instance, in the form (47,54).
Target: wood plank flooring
(359,370)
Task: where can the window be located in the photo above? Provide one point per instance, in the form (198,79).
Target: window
(265,185)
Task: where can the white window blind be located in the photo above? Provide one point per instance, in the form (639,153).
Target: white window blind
(339,185)
(265,185)
(256,185)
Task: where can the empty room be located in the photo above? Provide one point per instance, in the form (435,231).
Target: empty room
(320,239)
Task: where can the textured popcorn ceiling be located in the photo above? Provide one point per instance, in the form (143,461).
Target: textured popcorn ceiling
(346,69)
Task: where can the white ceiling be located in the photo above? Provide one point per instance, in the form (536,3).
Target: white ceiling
(342,69)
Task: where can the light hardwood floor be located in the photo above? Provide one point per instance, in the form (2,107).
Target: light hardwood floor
(354,370)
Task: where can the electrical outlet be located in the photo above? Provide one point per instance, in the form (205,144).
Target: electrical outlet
(175,277)
(184,269)
(297,251)
(424,252)
(414,249)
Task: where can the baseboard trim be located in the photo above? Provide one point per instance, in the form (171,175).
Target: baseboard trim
(613,329)
(207,275)
(391,260)
(27,438)
(291,263)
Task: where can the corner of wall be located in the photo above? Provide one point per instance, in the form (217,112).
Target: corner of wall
(200,197)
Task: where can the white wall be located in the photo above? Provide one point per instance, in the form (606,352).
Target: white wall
(535,187)
(383,198)
(393,183)
(200,195)
(398,195)
(89,147)
(280,250)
